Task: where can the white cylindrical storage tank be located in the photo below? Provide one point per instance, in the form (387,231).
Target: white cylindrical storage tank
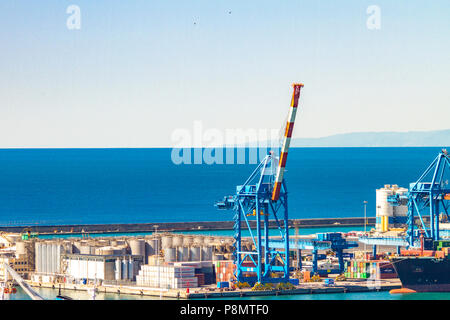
(195,253)
(59,250)
(43,258)
(21,249)
(383,207)
(206,253)
(54,257)
(137,247)
(130,268)
(150,247)
(118,269)
(177,240)
(183,254)
(188,240)
(38,256)
(198,240)
(166,241)
(49,258)
(170,254)
(125,269)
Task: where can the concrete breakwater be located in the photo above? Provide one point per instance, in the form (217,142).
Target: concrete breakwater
(188,226)
(183,226)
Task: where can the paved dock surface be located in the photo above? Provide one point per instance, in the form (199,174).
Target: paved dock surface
(354,285)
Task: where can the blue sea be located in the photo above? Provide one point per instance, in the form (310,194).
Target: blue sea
(84,186)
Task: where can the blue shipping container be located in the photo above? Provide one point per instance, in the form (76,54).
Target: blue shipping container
(223,284)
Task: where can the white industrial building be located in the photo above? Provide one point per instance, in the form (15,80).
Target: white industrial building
(96,267)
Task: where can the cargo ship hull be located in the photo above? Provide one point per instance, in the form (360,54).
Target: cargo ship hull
(424,274)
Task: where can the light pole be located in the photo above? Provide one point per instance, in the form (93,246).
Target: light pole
(365,220)
(365,216)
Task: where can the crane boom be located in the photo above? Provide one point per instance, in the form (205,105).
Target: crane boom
(286,141)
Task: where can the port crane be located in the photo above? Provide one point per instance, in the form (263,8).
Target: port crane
(264,196)
(28,290)
(427,196)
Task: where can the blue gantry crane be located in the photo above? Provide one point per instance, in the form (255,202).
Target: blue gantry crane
(429,195)
(263,198)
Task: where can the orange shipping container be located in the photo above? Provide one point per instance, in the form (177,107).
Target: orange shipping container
(306,275)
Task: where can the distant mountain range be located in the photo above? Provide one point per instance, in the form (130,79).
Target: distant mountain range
(439,138)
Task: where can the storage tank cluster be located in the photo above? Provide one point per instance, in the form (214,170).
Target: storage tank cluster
(125,268)
(184,248)
(48,257)
(154,249)
(387,215)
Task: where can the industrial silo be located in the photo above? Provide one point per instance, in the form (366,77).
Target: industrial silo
(118,269)
(166,241)
(124,269)
(188,240)
(130,268)
(183,254)
(44,257)
(151,246)
(170,254)
(198,240)
(384,211)
(55,257)
(49,257)
(137,247)
(177,240)
(206,253)
(105,251)
(209,240)
(21,249)
(195,253)
(38,256)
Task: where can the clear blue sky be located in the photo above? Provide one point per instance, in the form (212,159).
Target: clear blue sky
(138,70)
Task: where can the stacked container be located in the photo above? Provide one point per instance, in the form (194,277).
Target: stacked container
(224,270)
(369,269)
(170,277)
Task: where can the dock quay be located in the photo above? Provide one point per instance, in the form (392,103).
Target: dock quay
(183,226)
(350,285)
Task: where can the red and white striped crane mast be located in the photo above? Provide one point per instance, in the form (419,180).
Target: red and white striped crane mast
(286,141)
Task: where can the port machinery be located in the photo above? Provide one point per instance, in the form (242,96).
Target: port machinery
(264,198)
(17,278)
(427,196)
